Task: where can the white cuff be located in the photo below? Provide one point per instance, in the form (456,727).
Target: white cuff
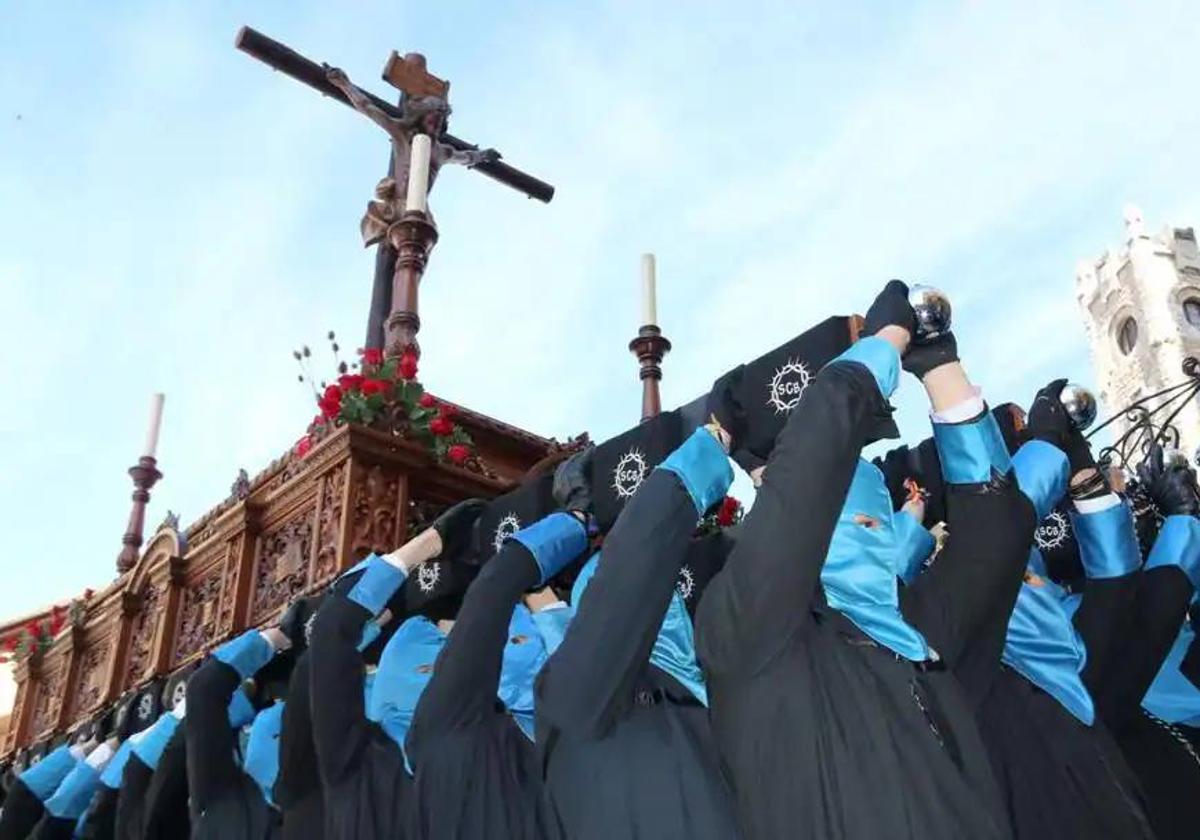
(557,605)
(968,409)
(77,752)
(180,709)
(100,757)
(1096,505)
(392,558)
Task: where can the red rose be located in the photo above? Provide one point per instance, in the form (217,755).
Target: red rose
(728,512)
(427,401)
(350,381)
(441,426)
(458,453)
(408,366)
(11,643)
(372,356)
(333,392)
(446,410)
(303,446)
(374,386)
(33,629)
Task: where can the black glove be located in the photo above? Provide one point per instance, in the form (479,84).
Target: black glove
(924,357)
(572,487)
(1048,421)
(724,405)
(891,309)
(1171,489)
(454,527)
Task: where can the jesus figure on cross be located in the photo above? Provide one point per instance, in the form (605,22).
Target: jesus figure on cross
(427,114)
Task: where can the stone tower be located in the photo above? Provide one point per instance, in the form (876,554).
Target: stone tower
(1141,308)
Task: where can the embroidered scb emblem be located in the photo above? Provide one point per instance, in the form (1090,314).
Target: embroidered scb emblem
(178,695)
(686,584)
(145,707)
(428,576)
(1053,531)
(508,526)
(628,475)
(787,386)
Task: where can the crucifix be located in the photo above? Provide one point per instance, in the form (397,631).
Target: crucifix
(398,219)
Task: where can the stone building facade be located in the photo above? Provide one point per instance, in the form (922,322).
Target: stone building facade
(1141,308)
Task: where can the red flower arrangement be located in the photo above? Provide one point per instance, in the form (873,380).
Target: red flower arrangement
(726,515)
(385,394)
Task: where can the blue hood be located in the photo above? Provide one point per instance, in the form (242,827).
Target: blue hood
(864,562)
(261,756)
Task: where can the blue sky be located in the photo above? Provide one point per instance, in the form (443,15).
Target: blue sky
(176,217)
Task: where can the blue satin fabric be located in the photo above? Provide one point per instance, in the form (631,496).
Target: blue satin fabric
(1178,544)
(111,777)
(1108,545)
(674,648)
(914,545)
(554,541)
(1172,696)
(552,624)
(1043,646)
(1042,472)
(405,668)
(261,756)
(377,585)
(860,571)
(73,795)
(241,710)
(524,656)
(879,357)
(246,654)
(150,748)
(971,452)
(702,467)
(43,778)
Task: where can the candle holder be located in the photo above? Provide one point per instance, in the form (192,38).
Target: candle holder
(413,237)
(650,347)
(144,474)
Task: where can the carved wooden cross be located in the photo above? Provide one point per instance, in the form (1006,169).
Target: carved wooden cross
(400,263)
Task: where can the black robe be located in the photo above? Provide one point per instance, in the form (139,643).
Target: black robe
(298,791)
(628,751)
(1163,756)
(21,813)
(477,774)
(367,789)
(130,820)
(101,820)
(1062,778)
(225,803)
(167,795)
(825,733)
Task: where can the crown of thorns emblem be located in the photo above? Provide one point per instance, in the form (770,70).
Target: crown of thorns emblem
(428,576)
(508,526)
(686,584)
(628,475)
(787,386)
(1052,532)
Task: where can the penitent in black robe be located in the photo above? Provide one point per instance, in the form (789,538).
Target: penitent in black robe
(825,733)
(298,791)
(628,750)
(225,803)
(477,774)
(367,789)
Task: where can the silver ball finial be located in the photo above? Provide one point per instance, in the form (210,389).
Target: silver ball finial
(932,309)
(1080,405)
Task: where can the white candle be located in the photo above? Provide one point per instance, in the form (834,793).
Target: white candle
(156,407)
(649,303)
(418,173)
